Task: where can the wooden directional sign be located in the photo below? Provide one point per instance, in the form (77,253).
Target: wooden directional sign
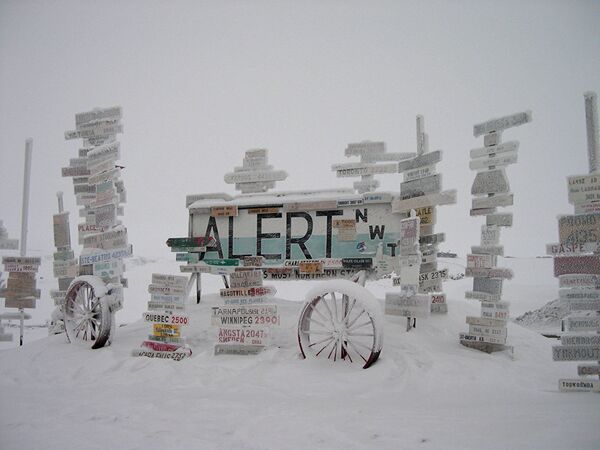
(510,146)
(484,296)
(579,229)
(579,294)
(497,250)
(256,291)
(106,256)
(191,242)
(420,172)
(495,272)
(578,385)
(488,285)
(245,315)
(105,152)
(500,219)
(481,330)
(97,114)
(492,202)
(221,262)
(255,175)
(579,280)
(467,337)
(588,264)
(584,188)
(490,182)
(166,317)
(584,323)
(407,304)
(426,159)
(443,198)
(588,369)
(576,353)
(365,148)
(421,186)
(362,169)
(494,310)
(502,123)
(9,244)
(29,260)
(481,321)
(310,267)
(490,235)
(224,211)
(496,161)
(584,305)
(572,249)
(580,339)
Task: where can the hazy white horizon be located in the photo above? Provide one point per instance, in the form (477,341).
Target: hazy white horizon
(201,82)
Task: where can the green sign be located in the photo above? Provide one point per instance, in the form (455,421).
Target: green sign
(222,262)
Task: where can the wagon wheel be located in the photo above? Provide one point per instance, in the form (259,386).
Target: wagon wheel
(340,321)
(87,317)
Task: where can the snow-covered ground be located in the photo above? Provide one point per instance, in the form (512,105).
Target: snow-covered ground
(426,391)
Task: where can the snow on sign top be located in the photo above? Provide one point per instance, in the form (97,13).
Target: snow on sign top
(502,123)
(113,112)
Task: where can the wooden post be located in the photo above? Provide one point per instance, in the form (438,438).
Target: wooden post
(24,218)
(59,195)
(198,288)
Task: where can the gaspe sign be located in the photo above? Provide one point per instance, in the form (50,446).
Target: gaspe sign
(298,234)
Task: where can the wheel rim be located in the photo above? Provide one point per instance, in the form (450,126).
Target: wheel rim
(83,313)
(336,326)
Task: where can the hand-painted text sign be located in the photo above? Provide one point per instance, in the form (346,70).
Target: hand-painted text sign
(579,229)
(576,353)
(577,265)
(502,123)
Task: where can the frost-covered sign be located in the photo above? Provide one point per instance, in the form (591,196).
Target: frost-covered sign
(244,322)
(577,265)
(490,190)
(422,191)
(255,174)
(373,161)
(100,192)
(167,318)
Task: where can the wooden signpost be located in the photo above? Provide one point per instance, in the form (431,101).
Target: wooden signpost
(577,265)
(422,191)
(490,191)
(166,314)
(372,155)
(20,291)
(101,193)
(255,175)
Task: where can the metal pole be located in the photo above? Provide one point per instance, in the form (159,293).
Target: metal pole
(59,194)
(591,119)
(420,140)
(24,217)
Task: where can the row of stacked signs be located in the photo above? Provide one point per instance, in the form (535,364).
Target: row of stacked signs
(100,192)
(577,266)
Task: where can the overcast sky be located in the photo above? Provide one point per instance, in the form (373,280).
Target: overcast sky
(201,82)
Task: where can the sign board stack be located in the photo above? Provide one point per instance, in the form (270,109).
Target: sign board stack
(491,190)
(421,191)
(20,290)
(65,264)
(370,154)
(408,302)
(245,319)
(100,192)
(11,244)
(166,313)
(577,266)
(255,175)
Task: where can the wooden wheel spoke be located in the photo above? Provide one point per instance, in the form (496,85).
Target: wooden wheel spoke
(335,308)
(326,345)
(345,347)
(328,310)
(321,341)
(319,323)
(357,351)
(313,307)
(334,348)
(347,316)
(356,327)
(353,321)
(361,334)
(318,332)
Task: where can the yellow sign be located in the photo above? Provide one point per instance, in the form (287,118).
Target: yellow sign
(166,330)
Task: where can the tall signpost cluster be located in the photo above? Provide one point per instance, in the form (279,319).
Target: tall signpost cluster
(490,190)
(244,320)
(100,192)
(20,291)
(421,191)
(577,266)
(166,313)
